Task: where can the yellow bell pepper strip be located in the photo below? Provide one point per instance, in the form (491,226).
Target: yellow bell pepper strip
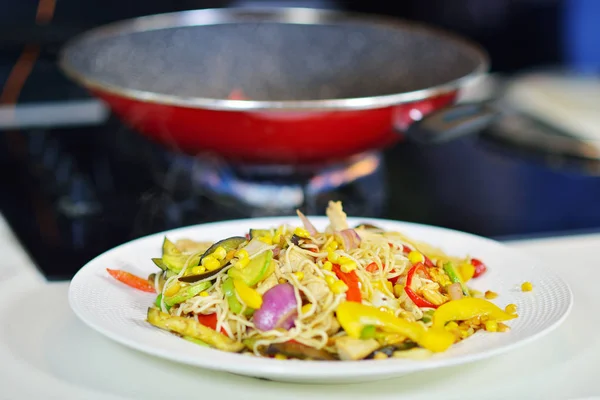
(251,297)
(455,277)
(466,271)
(131,280)
(186,293)
(354,317)
(467,308)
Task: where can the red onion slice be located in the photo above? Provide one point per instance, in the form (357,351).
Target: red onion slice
(350,238)
(307,224)
(279,308)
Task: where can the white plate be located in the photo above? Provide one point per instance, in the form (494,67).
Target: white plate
(119,312)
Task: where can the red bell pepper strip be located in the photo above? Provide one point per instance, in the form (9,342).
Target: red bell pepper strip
(418,300)
(480,267)
(131,280)
(372,267)
(210,321)
(351,280)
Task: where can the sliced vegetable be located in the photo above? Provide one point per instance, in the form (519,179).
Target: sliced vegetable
(249,296)
(480,267)
(369,227)
(174,259)
(372,268)
(368,332)
(210,321)
(455,291)
(256,233)
(466,271)
(307,224)
(299,350)
(353,317)
(349,348)
(228,244)
(131,280)
(418,300)
(187,293)
(234,305)
(255,271)
(349,238)
(351,280)
(197,341)
(160,263)
(455,277)
(194,329)
(467,308)
(279,308)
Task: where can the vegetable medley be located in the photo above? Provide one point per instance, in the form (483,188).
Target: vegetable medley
(341,294)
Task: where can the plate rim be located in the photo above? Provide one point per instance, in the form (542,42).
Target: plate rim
(278,368)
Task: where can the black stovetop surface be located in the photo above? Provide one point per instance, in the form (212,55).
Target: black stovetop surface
(70,194)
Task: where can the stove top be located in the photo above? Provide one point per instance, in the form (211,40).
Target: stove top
(72,193)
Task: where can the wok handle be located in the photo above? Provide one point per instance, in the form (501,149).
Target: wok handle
(451,123)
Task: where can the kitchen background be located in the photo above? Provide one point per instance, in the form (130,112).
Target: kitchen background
(74,181)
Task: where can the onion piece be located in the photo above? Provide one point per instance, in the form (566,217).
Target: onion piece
(279,308)
(455,291)
(350,238)
(307,224)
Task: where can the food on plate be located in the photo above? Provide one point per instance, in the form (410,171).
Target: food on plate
(343,293)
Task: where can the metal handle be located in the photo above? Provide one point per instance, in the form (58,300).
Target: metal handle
(451,123)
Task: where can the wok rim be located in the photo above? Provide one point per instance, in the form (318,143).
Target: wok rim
(288,15)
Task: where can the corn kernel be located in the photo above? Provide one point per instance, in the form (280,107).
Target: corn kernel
(333,257)
(306,308)
(389,286)
(299,275)
(490,295)
(386,310)
(303,233)
(327,265)
(280,356)
(220,253)
(198,270)
(380,356)
(511,308)
(242,253)
(348,267)
(491,326)
(339,287)
(230,255)
(345,260)
(416,257)
(282,280)
(333,245)
(526,287)
(398,290)
(266,239)
(277,239)
(503,327)
(172,290)
(452,325)
(330,280)
(241,263)
(204,294)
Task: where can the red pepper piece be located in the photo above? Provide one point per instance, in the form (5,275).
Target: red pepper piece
(480,267)
(210,321)
(418,300)
(131,280)
(372,267)
(351,280)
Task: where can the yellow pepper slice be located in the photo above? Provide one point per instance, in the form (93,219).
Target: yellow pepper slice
(466,271)
(353,317)
(251,297)
(467,308)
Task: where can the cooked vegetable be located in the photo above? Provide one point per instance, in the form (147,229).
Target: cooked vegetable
(455,291)
(352,282)
(197,341)
(257,233)
(455,277)
(349,348)
(418,300)
(307,224)
(131,280)
(349,238)
(255,270)
(467,308)
(279,308)
(480,267)
(353,317)
(210,321)
(209,258)
(186,293)
(194,329)
(234,305)
(249,296)
(299,350)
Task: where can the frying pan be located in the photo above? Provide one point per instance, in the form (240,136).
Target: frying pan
(280,85)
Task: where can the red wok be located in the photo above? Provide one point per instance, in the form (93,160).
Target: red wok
(279,85)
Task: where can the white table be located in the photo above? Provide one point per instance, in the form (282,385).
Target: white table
(46,353)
